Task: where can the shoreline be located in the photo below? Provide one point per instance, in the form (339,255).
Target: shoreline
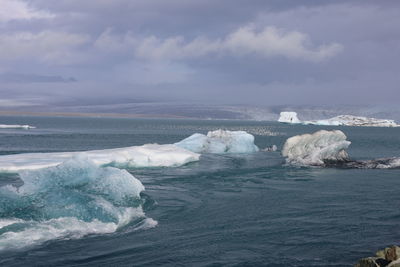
(89,115)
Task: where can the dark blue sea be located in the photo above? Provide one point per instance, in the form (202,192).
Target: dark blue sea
(226,209)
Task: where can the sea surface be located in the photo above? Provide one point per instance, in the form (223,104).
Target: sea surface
(226,209)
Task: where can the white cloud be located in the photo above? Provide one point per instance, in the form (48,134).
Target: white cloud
(46,46)
(16,10)
(269,42)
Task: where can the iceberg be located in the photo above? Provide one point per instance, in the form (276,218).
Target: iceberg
(220,141)
(69,201)
(288,117)
(328,149)
(150,155)
(350,120)
(317,149)
(16,126)
(342,120)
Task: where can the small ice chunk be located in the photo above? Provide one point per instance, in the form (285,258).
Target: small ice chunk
(220,141)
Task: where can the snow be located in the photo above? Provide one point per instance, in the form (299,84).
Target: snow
(345,120)
(16,126)
(317,148)
(220,141)
(289,117)
(150,155)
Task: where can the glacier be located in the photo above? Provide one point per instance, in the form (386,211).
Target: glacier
(316,149)
(220,141)
(69,201)
(341,120)
(149,155)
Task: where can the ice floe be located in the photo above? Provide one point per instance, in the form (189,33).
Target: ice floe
(16,126)
(150,155)
(345,120)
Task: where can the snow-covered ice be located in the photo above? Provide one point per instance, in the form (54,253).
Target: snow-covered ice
(150,155)
(220,141)
(350,120)
(16,126)
(289,117)
(317,148)
(345,120)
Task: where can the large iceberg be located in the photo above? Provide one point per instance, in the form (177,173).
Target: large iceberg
(71,200)
(16,126)
(220,141)
(317,149)
(345,120)
(328,149)
(288,117)
(150,155)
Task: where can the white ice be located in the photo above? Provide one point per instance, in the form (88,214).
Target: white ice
(16,126)
(345,120)
(289,117)
(220,141)
(150,155)
(314,149)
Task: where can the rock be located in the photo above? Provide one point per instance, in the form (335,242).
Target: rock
(392,253)
(389,257)
(367,262)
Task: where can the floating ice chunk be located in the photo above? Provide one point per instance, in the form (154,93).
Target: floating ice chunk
(272,148)
(288,117)
(16,126)
(317,148)
(220,141)
(71,200)
(150,155)
(346,120)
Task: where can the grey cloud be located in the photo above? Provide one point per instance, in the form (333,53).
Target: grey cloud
(325,51)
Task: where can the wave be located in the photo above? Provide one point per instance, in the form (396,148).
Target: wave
(150,155)
(220,141)
(71,200)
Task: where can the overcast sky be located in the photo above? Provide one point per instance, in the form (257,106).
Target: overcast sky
(204,51)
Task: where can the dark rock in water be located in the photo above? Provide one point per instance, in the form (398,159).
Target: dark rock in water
(386,163)
(389,257)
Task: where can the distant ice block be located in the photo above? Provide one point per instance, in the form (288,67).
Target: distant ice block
(150,155)
(288,117)
(317,148)
(345,120)
(220,141)
(16,126)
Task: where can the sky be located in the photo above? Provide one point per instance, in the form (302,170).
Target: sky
(245,52)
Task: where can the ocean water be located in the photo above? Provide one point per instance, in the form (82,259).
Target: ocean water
(224,210)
